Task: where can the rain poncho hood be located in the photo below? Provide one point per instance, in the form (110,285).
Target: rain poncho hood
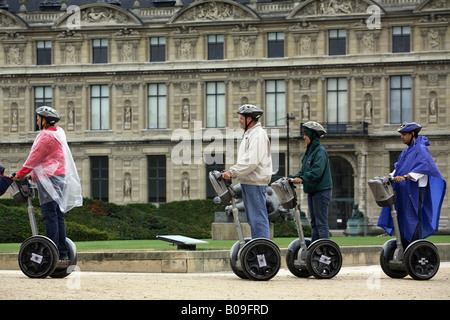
(54,170)
(5,181)
(416,158)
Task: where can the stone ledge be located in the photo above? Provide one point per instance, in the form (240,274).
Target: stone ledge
(194,261)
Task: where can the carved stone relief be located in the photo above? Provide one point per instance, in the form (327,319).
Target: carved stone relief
(305,38)
(244,39)
(13,46)
(433,38)
(331,8)
(435,5)
(8,21)
(97,15)
(367,41)
(213,11)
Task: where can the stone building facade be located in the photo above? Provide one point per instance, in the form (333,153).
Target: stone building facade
(148,90)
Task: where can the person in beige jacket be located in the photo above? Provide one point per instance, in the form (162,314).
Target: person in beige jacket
(253,170)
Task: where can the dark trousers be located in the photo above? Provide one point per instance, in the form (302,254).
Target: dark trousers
(318,210)
(55,227)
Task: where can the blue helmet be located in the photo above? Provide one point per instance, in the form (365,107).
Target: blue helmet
(410,126)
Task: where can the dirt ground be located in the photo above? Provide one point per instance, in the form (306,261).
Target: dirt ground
(360,283)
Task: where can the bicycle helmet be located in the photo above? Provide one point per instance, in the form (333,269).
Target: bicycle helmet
(410,126)
(49,114)
(249,110)
(316,127)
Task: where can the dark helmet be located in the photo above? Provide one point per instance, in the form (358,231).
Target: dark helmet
(250,110)
(410,126)
(49,114)
(316,127)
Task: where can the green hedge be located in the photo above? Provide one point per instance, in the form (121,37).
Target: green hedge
(97,220)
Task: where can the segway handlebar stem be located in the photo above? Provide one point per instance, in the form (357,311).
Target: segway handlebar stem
(32,218)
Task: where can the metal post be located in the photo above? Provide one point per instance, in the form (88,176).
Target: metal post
(398,254)
(32,217)
(238,223)
(288,117)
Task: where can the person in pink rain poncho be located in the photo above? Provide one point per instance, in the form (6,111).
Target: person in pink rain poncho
(52,167)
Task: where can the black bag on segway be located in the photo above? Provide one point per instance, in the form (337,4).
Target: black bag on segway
(382,191)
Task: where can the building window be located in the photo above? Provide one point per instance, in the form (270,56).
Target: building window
(157,49)
(42,97)
(215,47)
(336,104)
(401,39)
(44,52)
(215,105)
(99,178)
(275,45)
(393,158)
(400,99)
(157,106)
(100,51)
(215,165)
(100,107)
(337,42)
(275,103)
(156,178)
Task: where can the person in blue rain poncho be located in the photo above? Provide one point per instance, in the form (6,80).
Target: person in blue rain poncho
(419,186)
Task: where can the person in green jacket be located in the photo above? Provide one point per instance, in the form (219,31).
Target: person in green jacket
(315,175)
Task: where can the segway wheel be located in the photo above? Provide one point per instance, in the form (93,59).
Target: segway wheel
(323,259)
(64,270)
(38,257)
(422,260)
(292,255)
(260,259)
(386,255)
(234,258)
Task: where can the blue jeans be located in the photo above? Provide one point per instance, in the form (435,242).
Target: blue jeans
(55,227)
(254,198)
(318,209)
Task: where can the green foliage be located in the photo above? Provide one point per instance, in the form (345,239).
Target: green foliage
(97,220)
(287,228)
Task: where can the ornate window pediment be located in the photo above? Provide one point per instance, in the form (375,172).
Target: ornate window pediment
(96,15)
(205,11)
(11,22)
(331,8)
(433,5)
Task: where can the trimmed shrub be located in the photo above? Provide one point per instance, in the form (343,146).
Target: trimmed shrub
(98,220)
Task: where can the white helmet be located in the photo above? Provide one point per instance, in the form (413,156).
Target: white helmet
(316,127)
(250,110)
(49,114)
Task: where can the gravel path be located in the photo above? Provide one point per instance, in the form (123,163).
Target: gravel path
(361,283)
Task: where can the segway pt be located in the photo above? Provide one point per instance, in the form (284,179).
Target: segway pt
(420,259)
(254,259)
(39,255)
(321,258)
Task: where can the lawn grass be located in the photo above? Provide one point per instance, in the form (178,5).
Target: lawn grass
(156,245)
